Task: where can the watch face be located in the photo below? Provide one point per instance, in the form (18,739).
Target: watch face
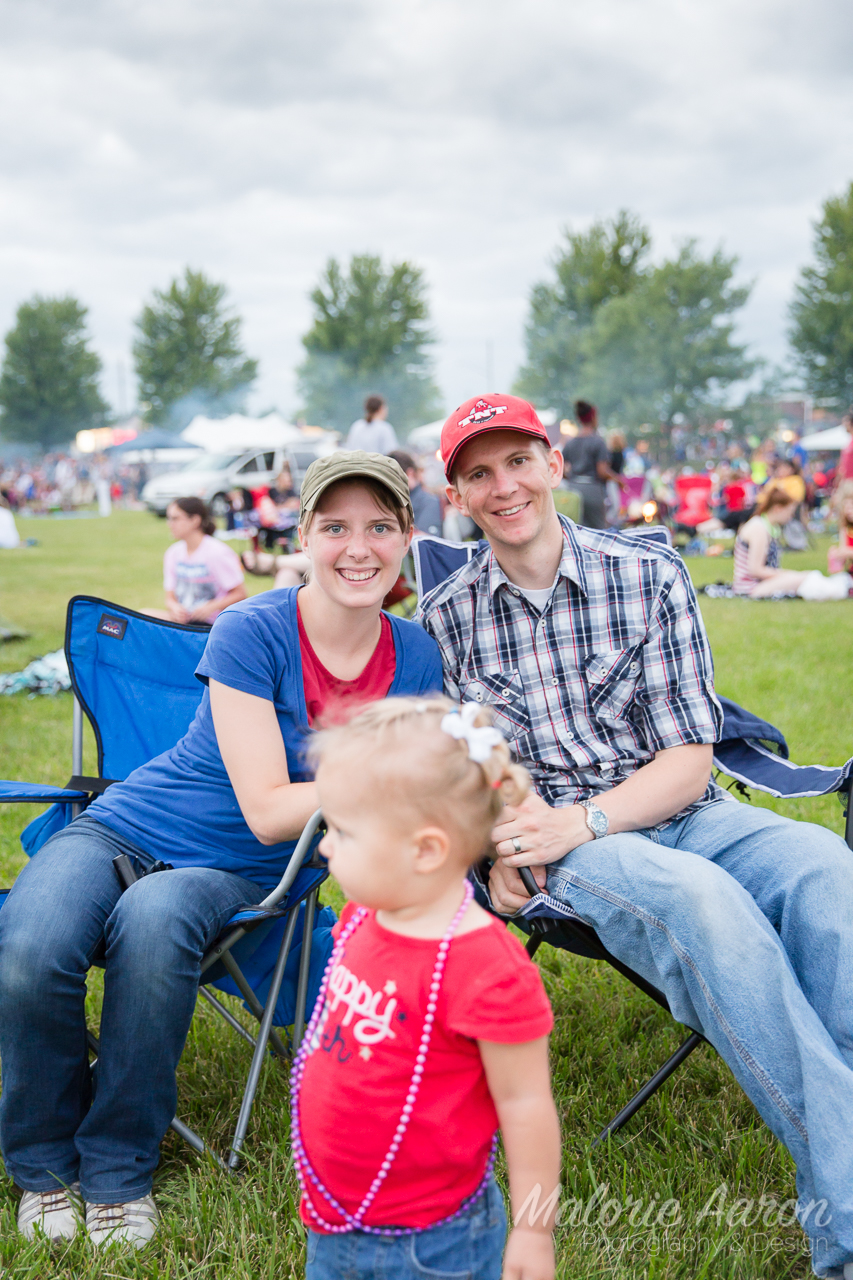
(598,821)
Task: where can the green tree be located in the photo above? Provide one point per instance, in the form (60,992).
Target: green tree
(822,309)
(370,335)
(664,352)
(188,353)
(49,381)
(647,344)
(592,268)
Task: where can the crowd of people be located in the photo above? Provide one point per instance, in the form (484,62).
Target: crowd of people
(500,721)
(61,482)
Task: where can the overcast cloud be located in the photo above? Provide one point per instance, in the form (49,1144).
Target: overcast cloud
(255,139)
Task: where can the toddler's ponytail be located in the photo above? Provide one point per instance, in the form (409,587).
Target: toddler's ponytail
(448,763)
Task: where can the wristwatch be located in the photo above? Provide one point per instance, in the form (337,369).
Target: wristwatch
(596,819)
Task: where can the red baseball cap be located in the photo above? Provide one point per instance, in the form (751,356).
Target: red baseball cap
(487,413)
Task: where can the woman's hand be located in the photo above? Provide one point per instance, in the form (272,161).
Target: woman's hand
(209,610)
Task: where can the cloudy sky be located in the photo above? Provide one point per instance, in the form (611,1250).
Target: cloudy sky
(254,138)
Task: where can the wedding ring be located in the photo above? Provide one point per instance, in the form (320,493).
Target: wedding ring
(516,844)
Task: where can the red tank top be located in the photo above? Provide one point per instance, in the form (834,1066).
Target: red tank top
(333,699)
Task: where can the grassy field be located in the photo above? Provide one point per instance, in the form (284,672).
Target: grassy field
(698,1143)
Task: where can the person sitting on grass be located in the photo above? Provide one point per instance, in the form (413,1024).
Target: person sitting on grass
(201,575)
(756,552)
(395,1113)
(840,556)
(224,807)
(590,650)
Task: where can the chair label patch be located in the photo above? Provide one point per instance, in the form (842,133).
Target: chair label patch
(110,625)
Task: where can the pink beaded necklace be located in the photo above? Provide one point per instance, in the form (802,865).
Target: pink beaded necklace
(304,1170)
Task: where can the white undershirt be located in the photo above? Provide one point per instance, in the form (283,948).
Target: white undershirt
(539,596)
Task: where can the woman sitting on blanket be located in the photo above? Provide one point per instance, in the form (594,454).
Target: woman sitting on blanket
(756,570)
(224,807)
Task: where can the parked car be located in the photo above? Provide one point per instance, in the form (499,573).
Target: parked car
(212,475)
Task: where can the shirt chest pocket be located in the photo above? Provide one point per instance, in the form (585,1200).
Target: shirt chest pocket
(503,693)
(611,677)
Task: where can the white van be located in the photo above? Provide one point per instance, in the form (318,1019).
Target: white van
(210,476)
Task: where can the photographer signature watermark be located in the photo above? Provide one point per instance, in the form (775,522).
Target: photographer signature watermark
(602,1209)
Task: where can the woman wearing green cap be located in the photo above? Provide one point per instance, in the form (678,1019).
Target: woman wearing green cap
(224,807)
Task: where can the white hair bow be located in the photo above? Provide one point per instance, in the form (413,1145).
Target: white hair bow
(480,741)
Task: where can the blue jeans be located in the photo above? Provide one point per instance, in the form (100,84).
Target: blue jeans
(468,1248)
(744,920)
(66,912)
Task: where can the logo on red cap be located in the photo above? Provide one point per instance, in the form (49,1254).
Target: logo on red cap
(482,412)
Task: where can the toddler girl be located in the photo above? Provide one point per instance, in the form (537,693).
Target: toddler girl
(430,1030)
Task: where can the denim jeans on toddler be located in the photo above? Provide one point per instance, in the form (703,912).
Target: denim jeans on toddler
(469,1247)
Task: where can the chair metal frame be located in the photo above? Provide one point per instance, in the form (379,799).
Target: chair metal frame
(568,932)
(267,1037)
(220,952)
(80,791)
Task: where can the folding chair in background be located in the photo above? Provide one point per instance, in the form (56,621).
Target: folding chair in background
(750,750)
(133,677)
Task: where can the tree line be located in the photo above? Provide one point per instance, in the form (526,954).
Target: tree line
(649,342)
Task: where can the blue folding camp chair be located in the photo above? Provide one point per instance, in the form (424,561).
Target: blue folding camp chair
(133,677)
(751,751)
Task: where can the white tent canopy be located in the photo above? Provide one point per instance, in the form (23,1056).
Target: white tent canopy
(834,438)
(238,432)
(426,437)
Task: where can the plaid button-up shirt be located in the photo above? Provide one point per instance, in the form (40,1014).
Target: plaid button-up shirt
(615,668)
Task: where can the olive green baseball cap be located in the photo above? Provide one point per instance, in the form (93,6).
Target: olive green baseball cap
(350,466)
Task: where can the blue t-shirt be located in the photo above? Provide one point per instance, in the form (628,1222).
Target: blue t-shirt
(181,806)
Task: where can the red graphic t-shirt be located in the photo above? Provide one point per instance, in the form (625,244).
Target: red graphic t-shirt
(325,693)
(363,1052)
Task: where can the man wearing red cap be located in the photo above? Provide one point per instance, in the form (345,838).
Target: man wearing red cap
(590,650)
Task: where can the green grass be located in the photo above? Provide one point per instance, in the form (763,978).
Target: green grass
(788,661)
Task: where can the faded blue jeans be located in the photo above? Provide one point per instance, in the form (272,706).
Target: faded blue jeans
(744,920)
(66,911)
(468,1248)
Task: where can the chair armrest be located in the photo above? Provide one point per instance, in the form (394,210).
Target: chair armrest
(92,786)
(34,793)
(296,859)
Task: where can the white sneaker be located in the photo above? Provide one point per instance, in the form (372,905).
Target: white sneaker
(55,1213)
(848,1271)
(133,1223)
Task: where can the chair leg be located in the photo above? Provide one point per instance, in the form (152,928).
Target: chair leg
(261,1044)
(638,1100)
(304,968)
(252,1001)
(227,1015)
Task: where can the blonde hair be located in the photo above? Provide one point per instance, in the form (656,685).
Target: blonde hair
(773,495)
(412,763)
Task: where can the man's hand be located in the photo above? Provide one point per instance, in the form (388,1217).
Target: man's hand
(529,1255)
(506,890)
(534,834)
